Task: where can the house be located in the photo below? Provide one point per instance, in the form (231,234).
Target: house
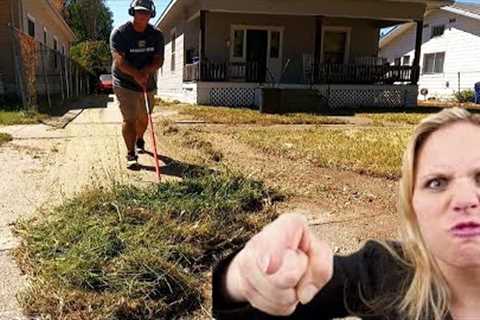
(450,59)
(42,22)
(227,52)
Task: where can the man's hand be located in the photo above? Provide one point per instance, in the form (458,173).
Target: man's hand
(280,267)
(141,78)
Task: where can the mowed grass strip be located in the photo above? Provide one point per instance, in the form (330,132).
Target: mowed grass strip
(131,253)
(221,115)
(397,118)
(4,138)
(372,151)
(20,117)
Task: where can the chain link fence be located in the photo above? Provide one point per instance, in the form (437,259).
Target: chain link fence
(46,78)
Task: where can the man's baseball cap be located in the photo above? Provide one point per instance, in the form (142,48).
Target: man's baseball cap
(145,5)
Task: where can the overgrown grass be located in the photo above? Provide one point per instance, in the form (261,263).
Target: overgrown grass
(131,253)
(222,115)
(398,118)
(20,117)
(372,151)
(5,137)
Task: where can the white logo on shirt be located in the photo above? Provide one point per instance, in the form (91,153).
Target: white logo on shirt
(142,50)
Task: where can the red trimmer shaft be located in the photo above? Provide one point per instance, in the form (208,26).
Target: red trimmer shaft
(152,131)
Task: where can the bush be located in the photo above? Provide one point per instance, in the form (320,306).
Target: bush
(465,96)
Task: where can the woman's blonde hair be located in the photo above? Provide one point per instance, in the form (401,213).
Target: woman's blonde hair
(427,296)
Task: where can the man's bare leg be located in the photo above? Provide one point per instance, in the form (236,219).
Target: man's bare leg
(129,135)
(141,126)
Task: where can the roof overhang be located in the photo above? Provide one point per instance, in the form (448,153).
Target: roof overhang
(462,12)
(175,7)
(60,18)
(431,6)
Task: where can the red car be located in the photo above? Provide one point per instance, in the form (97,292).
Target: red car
(105,84)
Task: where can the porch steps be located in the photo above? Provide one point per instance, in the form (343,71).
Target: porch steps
(293,100)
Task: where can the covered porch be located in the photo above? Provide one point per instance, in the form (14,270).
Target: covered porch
(237,50)
(323,43)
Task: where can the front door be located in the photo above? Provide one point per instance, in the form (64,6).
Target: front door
(257,44)
(274,64)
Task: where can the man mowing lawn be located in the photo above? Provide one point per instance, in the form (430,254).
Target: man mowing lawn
(138,52)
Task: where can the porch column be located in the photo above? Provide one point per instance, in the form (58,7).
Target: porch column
(203,27)
(418,52)
(318,47)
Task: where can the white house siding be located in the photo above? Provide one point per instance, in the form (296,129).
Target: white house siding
(461,44)
(170,82)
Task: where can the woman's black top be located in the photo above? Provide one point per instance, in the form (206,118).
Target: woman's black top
(366,284)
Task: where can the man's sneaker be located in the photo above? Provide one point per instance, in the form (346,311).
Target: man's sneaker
(140,145)
(132,160)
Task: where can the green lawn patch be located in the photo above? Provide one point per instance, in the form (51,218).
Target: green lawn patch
(222,115)
(5,137)
(131,253)
(20,117)
(373,151)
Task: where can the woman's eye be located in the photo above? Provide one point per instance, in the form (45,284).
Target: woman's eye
(477,178)
(438,183)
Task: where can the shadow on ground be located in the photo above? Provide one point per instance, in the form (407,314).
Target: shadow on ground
(87,102)
(172,167)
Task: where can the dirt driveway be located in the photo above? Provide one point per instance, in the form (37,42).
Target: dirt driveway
(43,165)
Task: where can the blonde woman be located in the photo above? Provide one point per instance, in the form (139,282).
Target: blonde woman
(432,273)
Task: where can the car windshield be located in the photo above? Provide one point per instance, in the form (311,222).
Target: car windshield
(106,77)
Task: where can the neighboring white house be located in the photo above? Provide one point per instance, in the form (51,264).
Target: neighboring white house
(227,52)
(450,51)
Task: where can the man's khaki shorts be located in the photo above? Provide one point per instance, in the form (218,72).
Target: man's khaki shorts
(132,103)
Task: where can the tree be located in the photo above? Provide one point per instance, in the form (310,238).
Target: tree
(92,55)
(91,20)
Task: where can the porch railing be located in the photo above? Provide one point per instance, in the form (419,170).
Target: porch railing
(363,74)
(323,73)
(212,71)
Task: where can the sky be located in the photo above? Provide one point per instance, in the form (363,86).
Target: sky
(120,10)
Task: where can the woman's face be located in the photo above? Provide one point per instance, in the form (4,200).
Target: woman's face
(446,196)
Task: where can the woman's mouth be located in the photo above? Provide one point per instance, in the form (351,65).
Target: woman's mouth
(466,230)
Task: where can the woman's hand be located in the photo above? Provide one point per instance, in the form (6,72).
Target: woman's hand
(279,267)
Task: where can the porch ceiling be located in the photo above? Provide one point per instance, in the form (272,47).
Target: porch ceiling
(392,10)
(372,9)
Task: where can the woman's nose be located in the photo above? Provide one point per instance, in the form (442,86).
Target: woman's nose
(466,196)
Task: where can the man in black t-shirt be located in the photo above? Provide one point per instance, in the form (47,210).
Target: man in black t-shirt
(138,52)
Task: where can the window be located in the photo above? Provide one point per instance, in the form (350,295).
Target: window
(452,20)
(238,43)
(397,62)
(433,62)
(31,27)
(45,37)
(438,31)
(336,42)
(406,60)
(173,37)
(275,44)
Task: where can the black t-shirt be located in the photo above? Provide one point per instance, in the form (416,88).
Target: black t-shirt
(364,284)
(139,49)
